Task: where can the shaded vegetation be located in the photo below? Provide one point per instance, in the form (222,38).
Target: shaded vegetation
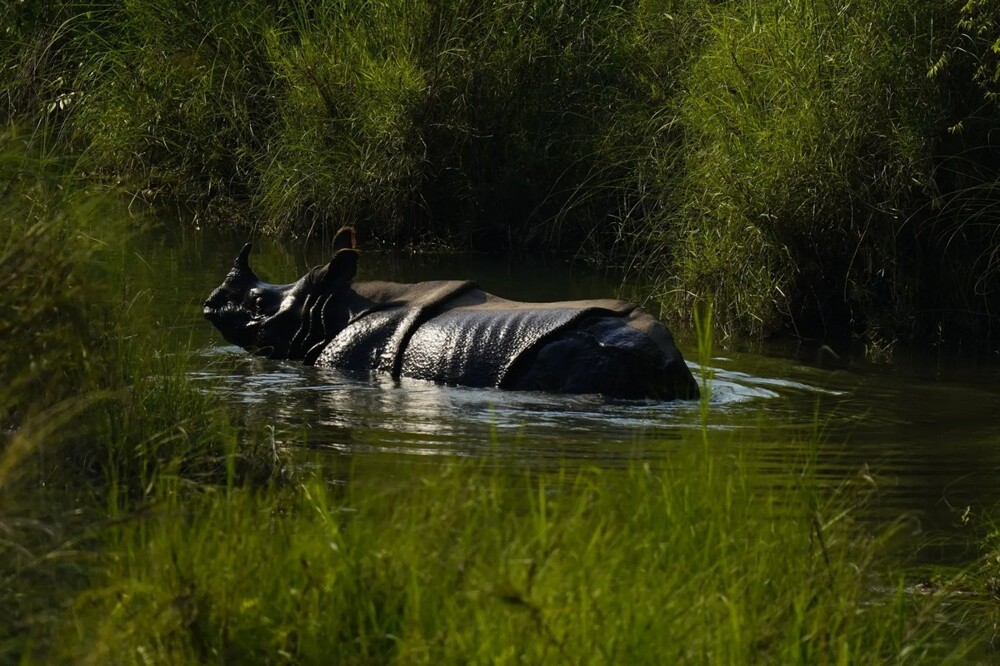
(93,417)
(828,186)
(819,167)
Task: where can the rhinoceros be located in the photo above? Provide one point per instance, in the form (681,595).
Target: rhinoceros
(448,331)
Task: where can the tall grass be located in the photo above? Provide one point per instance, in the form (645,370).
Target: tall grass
(462,564)
(411,118)
(815,166)
(94,419)
(82,375)
(981,18)
(809,132)
(346,142)
(836,171)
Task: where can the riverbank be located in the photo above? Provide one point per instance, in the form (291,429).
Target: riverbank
(458,564)
(820,169)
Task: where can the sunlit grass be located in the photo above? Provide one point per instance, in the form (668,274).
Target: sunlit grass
(463,564)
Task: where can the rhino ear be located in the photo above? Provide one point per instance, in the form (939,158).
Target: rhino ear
(341,268)
(344,240)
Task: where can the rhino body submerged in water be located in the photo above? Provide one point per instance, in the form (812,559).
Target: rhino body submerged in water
(449,331)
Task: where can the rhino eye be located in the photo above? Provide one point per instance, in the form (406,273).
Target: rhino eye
(256,298)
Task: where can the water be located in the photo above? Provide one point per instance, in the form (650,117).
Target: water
(924,429)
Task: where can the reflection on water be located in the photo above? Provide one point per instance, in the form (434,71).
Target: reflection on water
(455,419)
(418,417)
(926,430)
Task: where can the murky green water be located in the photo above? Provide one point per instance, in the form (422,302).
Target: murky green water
(926,429)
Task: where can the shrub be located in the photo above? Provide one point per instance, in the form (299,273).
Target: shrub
(806,129)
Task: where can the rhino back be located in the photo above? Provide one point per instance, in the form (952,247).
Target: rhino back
(617,356)
(477,347)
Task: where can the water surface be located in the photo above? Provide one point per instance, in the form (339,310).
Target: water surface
(925,430)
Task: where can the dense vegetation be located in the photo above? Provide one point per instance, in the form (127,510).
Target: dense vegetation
(92,419)
(819,166)
(138,524)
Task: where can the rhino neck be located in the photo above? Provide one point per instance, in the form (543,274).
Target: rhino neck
(327,315)
(417,294)
(324,316)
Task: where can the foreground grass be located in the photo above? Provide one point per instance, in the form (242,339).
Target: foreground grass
(94,413)
(463,565)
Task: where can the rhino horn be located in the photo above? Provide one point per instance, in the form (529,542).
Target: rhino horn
(242,263)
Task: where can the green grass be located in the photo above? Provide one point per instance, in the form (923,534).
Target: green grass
(95,416)
(981,18)
(79,367)
(821,167)
(809,130)
(460,564)
(420,118)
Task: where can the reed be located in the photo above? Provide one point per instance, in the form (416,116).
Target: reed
(461,563)
(821,167)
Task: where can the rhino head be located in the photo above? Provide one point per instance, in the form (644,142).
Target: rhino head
(286,321)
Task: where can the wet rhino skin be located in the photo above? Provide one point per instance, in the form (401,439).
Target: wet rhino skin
(450,332)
